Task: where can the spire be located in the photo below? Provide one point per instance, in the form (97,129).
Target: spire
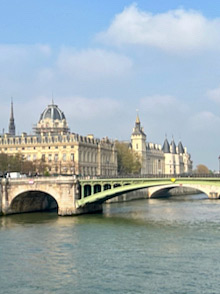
(52,99)
(12,111)
(138,130)
(11,128)
(173,146)
(137,118)
(166,145)
(180,148)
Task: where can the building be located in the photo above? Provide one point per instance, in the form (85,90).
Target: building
(155,159)
(62,151)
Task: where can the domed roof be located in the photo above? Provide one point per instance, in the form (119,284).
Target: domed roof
(52,112)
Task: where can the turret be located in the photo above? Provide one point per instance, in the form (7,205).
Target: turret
(166,146)
(180,148)
(138,142)
(173,147)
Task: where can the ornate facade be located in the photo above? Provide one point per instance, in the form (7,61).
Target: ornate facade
(155,159)
(62,151)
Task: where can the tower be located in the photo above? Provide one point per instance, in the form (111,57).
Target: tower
(138,142)
(11,128)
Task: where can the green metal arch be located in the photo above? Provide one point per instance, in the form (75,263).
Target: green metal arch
(137,184)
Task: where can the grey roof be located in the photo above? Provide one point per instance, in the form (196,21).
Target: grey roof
(138,130)
(180,147)
(53,112)
(166,146)
(173,146)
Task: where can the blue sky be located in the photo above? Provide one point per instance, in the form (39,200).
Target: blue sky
(102,60)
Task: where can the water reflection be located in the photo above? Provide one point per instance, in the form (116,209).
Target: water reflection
(146,246)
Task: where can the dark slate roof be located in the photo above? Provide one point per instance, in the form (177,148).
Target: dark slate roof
(138,129)
(180,147)
(173,146)
(166,146)
(53,112)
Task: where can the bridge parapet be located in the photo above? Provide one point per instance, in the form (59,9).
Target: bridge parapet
(62,189)
(112,187)
(76,196)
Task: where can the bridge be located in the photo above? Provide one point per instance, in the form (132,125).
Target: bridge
(72,196)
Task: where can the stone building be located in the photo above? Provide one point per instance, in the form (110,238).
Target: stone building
(62,151)
(155,159)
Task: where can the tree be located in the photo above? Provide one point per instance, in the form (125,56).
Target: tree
(128,160)
(202,169)
(17,163)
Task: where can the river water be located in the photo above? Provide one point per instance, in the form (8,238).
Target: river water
(147,246)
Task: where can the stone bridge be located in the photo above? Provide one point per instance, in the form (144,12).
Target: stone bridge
(71,196)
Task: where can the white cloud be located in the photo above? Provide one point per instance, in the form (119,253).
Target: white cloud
(81,107)
(214,94)
(163,114)
(163,105)
(176,30)
(205,121)
(93,63)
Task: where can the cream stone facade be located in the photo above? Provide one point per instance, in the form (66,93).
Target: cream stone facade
(156,159)
(63,152)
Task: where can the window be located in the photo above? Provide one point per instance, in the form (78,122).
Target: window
(72,157)
(56,157)
(64,157)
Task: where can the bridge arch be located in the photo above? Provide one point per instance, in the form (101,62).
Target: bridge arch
(46,197)
(210,187)
(32,201)
(154,192)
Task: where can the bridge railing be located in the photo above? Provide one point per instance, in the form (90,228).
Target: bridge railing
(157,176)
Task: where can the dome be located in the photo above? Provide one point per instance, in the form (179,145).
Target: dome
(52,120)
(52,112)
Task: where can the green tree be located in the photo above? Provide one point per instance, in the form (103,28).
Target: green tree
(128,160)
(4,162)
(17,163)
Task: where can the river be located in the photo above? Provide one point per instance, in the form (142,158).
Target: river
(168,245)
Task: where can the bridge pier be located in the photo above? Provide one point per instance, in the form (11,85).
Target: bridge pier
(213,195)
(4,196)
(89,208)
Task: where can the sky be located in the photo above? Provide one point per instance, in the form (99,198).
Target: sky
(101,61)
